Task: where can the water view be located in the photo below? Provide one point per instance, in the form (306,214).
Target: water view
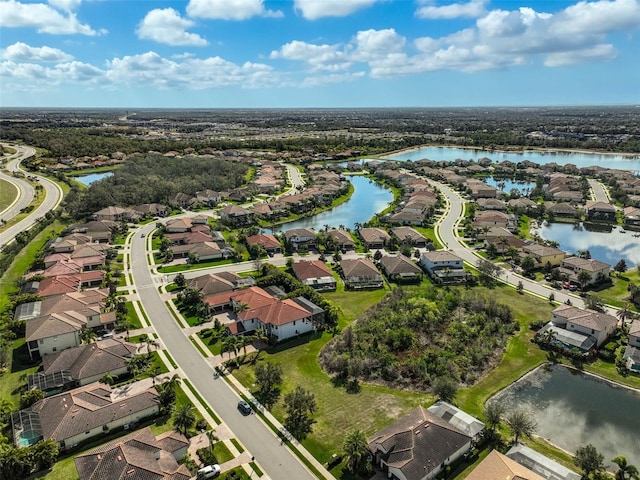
(561,158)
(507,185)
(92,177)
(606,243)
(368,199)
(574,409)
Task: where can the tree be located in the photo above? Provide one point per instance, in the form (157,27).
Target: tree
(45,453)
(528,264)
(355,448)
(626,471)
(107,379)
(30,397)
(179,280)
(620,267)
(492,250)
(268,380)
(584,278)
(624,313)
(445,388)
(520,423)
(493,413)
(520,287)
(166,397)
(230,344)
(300,405)
(487,270)
(211,436)
(87,335)
(588,459)
(184,417)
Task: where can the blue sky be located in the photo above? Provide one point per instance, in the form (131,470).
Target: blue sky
(318,53)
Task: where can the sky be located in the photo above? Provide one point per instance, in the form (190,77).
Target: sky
(318,53)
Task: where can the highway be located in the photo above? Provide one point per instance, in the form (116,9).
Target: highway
(275,458)
(52,199)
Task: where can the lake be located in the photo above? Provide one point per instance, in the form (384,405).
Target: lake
(368,199)
(573,409)
(621,162)
(92,177)
(605,243)
(523,187)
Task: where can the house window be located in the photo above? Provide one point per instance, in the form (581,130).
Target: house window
(54,349)
(41,341)
(294,322)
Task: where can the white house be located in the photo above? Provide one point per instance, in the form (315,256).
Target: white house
(590,323)
(632,352)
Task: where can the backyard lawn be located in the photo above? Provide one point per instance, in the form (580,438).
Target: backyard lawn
(617,295)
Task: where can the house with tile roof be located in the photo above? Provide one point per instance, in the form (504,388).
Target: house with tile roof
(342,238)
(399,268)
(572,266)
(139,455)
(599,211)
(410,235)
(418,446)
(497,466)
(315,274)
(443,266)
(83,413)
(580,328)
(300,237)
(544,255)
(221,282)
(632,352)
(83,365)
(267,241)
(360,273)
(540,464)
(281,319)
(374,238)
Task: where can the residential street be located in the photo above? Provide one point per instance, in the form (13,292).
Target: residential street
(276,459)
(51,201)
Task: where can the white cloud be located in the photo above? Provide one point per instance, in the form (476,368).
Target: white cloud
(472,9)
(315,9)
(375,44)
(21,52)
(66,5)
(602,52)
(166,26)
(321,80)
(229,9)
(319,57)
(43,18)
(63,73)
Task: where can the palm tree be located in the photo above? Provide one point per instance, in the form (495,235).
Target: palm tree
(355,449)
(623,314)
(626,471)
(107,378)
(87,335)
(184,417)
(240,307)
(173,383)
(520,423)
(211,436)
(231,343)
(6,407)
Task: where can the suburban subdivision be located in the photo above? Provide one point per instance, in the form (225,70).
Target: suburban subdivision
(310,294)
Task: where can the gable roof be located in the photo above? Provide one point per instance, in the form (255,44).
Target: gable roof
(306,269)
(408,232)
(374,235)
(399,265)
(588,264)
(587,318)
(265,240)
(497,466)
(441,256)
(418,440)
(137,456)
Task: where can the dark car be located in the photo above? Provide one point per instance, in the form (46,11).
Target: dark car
(244,407)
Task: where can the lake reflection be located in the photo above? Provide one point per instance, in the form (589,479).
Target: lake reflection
(605,243)
(368,199)
(93,177)
(573,409)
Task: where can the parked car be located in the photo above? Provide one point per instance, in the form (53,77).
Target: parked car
(566,286)
(244,407)
(210,471)
(573,287)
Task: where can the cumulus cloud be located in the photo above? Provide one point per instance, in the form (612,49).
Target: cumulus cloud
(164,25)
(21,52)
(229,9)
(42,17)
(315,9)
(318,57)
(472,9)
(66,5)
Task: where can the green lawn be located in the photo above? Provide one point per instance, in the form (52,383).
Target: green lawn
(617,294)
(15,379)
(8,193)
(193,266)
(338,411)
(431,235)
(212,342)
(132,316)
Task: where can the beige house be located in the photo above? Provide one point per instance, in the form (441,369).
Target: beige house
(572,267)
(544,255)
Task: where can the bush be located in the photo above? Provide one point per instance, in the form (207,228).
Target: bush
(206,456)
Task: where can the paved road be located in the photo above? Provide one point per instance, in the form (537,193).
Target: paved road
(276,459)
(52,200)
(25,189)
(447,229)
(295,178)
(600,193)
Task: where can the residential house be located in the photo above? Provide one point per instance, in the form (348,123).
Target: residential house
(490,218)
(491,204)
(406,217)
(182,200)
(115,214)
(443,266)
(300,237)
(374,238)
(83,413)
(281,319)
(410,235)
(315,274)
(418,446)
(83,365)
(399,268)
(540,464)
(632,352)
(561,210)
(360,273)
(343,239)
(572,266)
(631,216)
(59,284)
(579,328)
(460,419)
(480,189)
(522,203)
(152,210)
(137,455)
(600,211)
(208,197)
(497,466)
(267,241)
(236,215)
(544,255)
(179,225)
(221,282)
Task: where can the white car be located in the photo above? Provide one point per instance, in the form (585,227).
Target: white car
(210,471)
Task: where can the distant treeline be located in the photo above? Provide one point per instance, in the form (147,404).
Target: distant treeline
(156,179)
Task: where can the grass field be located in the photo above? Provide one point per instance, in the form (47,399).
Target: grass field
(8,193)
(15,379)
(132,316)
(617,295)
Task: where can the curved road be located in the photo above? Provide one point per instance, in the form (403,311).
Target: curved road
(275,458)
(448,229)
(25,189)
(52,199)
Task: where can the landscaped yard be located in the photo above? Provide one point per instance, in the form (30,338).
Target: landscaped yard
(132,316)
(192,266)
(617,295)
(212,342)
(12,382)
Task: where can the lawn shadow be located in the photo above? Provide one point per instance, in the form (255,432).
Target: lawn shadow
(20,359)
